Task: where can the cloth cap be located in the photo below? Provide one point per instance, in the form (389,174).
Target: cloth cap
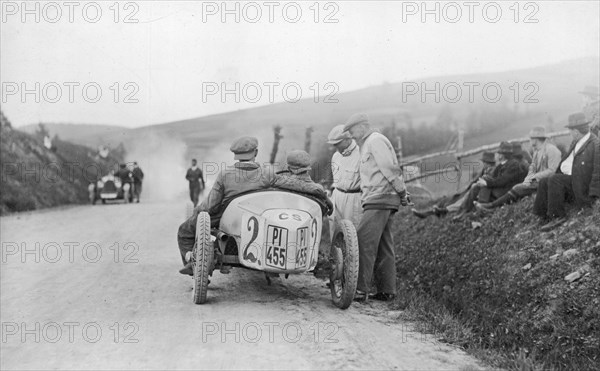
(244,147)
(298,161)
(590,90)
(505,148)
(488,157)
(576,120)
(538,132)
(357,118)
(337,135)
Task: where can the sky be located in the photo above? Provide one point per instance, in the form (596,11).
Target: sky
(148,62)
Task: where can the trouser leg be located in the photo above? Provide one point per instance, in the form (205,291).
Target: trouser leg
(369,233)
(385,263)
(467,204)
(540,205)
(186,236)
(559,188)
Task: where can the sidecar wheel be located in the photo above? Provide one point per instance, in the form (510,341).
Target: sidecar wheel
(344,259)
(202,257)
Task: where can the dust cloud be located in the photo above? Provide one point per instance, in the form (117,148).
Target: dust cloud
(162,159)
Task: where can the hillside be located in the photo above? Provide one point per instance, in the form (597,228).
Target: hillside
(557,87)
(505,283)
(35,177)
(85,134)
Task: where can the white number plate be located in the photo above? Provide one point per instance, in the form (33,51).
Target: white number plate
(277,239)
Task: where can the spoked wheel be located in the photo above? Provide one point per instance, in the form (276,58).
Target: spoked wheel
(202,257)
(344,259)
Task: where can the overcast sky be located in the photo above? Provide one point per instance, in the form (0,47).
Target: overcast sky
(178,50)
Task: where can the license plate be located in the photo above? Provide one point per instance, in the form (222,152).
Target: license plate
(277,239)
(302,247)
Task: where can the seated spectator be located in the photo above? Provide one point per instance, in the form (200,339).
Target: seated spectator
(452,204)
(577,179)
(491,187)
(296,177)
(522,156)
(546,158)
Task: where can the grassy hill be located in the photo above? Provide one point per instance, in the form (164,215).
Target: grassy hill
(557,86)
(35,177)
(499,290)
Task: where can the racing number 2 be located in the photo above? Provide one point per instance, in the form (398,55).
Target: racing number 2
(276,247)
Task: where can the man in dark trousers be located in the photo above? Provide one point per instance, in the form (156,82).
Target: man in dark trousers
(577,178)
(383,191)
(196,178)
(138,177)
(126,177)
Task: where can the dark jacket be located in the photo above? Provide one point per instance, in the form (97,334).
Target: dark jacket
(302,183)
(585,178)
(195,177)
(125,175)
(138,175)
(504,177)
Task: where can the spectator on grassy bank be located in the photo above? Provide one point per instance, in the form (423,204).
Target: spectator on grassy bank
(546,158)
(453,204)
(577,179)
(488,188)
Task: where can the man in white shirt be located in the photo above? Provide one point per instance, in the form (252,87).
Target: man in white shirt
(577,179)
(345,167)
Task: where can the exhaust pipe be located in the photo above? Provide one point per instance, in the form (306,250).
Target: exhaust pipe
(221,236)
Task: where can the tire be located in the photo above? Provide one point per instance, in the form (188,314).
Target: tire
(344,257)
(103,201)
(202,257)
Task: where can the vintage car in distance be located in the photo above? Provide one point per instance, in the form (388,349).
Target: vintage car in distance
(110,187)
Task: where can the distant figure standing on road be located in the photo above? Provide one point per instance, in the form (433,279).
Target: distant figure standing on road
(138,177)
(196,178)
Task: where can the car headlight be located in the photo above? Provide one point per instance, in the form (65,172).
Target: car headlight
(100,184)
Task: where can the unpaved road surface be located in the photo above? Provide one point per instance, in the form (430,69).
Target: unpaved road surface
(105,293)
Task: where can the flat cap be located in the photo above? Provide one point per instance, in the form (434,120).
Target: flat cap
(337,134)
(244,147)
(577,120)
(298,161)
(357,118)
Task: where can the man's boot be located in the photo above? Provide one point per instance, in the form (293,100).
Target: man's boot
(506,199)
(440,211)
(422,214)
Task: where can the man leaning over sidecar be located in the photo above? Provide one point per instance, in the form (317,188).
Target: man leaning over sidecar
(244,176)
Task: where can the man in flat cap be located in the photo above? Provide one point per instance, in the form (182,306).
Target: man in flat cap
(546,158)
(296,177)
(245,175)
(454,203)
(506,175)
(383,191)
(591,106)
(345,167)
(577,178)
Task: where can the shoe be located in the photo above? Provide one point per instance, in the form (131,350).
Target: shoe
(553,224)
(485,208)
(225,269)
(382,296)
(360,295)
(188,270)
(422,214)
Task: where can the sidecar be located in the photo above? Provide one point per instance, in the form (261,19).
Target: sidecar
(277,232)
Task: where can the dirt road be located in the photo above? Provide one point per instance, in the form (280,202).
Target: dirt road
(96,287)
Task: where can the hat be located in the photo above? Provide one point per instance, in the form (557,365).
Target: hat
(337,135)
(357,118)
(516,147)
(244,147)
(298,161)
(505,148)
(576,120)
(538,132)
(488,157)
(590,90)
